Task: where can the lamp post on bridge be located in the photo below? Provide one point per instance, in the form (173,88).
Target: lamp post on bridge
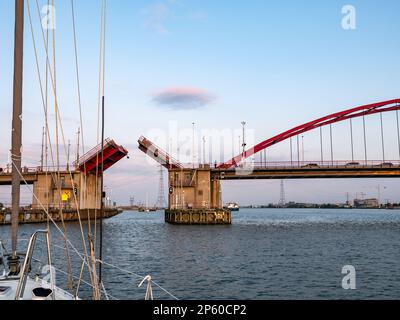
(244,140)
(193,155)
(204,151)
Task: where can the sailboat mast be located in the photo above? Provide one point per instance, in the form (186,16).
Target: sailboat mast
(16,143)
(102,191)
(103,57)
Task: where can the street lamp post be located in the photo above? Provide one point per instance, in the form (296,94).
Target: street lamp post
(244,140)
(204,151)
(193,145)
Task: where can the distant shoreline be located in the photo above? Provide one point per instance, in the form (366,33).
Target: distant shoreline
(294,207)
(320,207)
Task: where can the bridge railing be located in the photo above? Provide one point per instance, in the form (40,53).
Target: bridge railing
(323,164)
(158,153)
(302,164)
(92,152)
(33,170)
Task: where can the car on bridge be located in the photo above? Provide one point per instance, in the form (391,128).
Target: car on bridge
(386,164)
(311,166)
(352,164)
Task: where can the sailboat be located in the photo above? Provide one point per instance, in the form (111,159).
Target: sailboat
(15,282)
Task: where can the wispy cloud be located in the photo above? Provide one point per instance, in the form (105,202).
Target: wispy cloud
(183,98)
(157,15)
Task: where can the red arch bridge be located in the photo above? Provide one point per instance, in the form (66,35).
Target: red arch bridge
(238,168)
(196,188)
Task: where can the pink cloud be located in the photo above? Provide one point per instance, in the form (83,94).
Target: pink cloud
(183,98)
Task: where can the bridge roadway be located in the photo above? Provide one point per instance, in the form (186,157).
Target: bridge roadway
(30,177)
(310,171)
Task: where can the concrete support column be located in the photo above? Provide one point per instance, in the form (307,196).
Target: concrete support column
(216,199)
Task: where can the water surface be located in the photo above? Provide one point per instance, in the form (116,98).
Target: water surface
(265,254)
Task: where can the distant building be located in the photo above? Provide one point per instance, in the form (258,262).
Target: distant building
(366,203)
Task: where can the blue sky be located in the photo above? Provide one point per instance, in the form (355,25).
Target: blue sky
(275,64)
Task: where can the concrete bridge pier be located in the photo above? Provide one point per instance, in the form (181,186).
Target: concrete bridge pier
(195,198)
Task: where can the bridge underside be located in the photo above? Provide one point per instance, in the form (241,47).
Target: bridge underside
(6,179)
(306,173)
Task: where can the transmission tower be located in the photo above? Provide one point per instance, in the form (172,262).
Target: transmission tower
(348,198)
(282,200)
(161,202)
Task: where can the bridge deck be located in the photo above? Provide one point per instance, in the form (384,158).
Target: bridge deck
(317,172)
(6,178)
(91,162)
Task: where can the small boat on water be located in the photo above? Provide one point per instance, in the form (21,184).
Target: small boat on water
(146,209)
(232,206)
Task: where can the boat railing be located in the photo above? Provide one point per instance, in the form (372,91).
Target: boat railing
(28,260)
(141,279)
(2,256)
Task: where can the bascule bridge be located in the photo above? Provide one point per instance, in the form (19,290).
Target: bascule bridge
(195,195)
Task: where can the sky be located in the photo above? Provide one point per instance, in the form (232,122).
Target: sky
(171,63)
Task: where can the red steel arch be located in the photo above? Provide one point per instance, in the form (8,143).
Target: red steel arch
(369,109)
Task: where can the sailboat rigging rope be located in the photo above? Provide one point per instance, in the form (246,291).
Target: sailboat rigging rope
(54,223)
(49,216)
(77,76)
(100,120)
(100,94)
(106,294)
(44,103)
(46,116)
(58,124)
(44,100)
(128,272)
(125,271)
(59,230)
(102,141)
(94,276)
(58,118)
(77,278)
(137,276)
(104,290)
(59,128)
(79,95)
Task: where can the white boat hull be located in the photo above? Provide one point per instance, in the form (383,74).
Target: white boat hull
(9,288)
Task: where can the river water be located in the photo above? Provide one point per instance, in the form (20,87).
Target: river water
(264,254)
